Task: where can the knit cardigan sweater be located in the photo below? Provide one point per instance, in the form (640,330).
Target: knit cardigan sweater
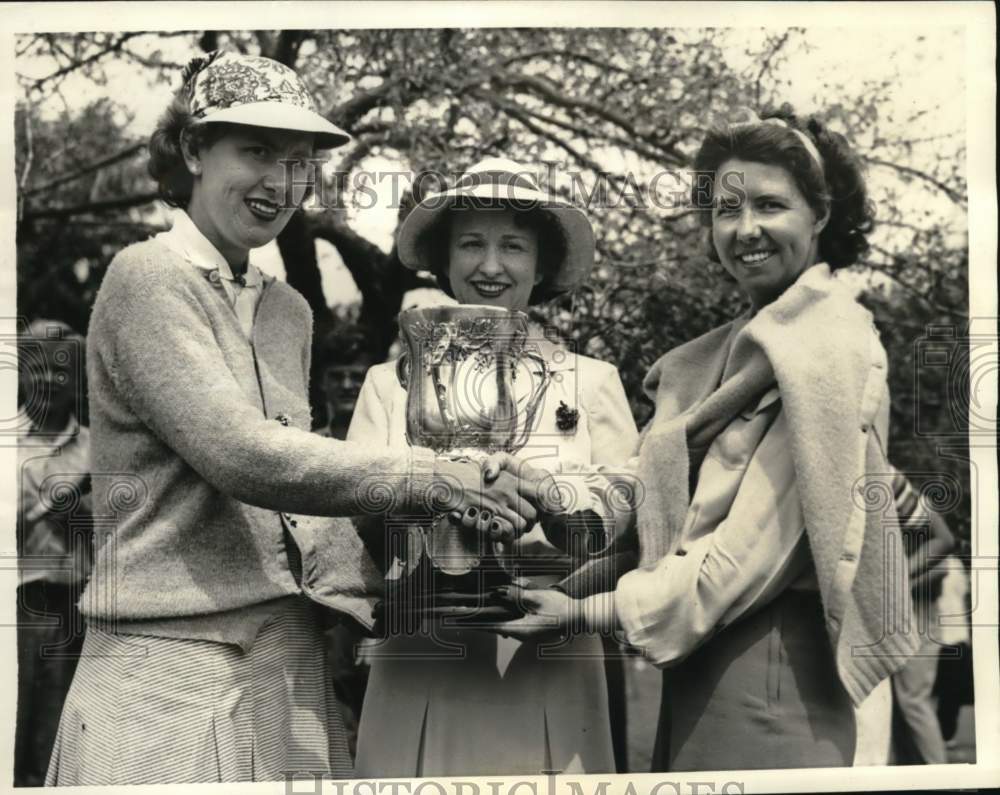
(822,349)
(200,437)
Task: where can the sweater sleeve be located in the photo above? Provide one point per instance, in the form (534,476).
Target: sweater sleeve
(307,343)
(166,363)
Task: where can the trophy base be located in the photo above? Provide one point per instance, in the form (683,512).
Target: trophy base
(431,594)
(469,609)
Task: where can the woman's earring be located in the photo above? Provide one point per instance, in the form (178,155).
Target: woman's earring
(195,168)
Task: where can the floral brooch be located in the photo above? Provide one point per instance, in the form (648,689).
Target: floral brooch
(566,418)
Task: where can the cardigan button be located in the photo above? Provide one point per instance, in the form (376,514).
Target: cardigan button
(214,277)
(864,427)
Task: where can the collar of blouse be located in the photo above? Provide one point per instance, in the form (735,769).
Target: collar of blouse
(187,240)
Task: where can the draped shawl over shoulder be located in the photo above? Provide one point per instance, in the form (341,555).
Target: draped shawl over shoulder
(822,349)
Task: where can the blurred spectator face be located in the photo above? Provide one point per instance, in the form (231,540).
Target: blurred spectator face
(341,384)
(50,357)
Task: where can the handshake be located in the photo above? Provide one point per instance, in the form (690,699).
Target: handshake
(501,497)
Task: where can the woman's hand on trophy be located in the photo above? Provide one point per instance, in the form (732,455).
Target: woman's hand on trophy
(497,508)
(549,614)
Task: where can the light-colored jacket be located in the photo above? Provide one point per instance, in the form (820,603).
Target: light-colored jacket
(501,704)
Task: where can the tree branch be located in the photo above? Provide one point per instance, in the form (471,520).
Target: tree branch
(635,144)
(265,40)
(766,64)
(93,207)
(353,248)
(890,272)
(124,154)
(348,113)
(286,49)
(921,175)
(115,46)
(29,157)
(20,52)
(149,63)
(209,40)
(575,56)
(549,92)
(514,111)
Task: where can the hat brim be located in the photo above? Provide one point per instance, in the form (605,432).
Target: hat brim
(576,228)
(282,116)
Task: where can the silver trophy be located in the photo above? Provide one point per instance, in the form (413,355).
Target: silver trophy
(474,383)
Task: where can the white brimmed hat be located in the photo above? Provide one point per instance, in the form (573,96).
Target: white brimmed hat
(249,89)
(498,180)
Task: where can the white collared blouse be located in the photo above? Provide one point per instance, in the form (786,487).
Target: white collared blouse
(243,292)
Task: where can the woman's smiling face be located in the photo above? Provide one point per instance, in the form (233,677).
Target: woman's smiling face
(491,259)
(247,184)
(764,230)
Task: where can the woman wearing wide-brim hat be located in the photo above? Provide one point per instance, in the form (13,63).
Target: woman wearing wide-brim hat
(204,660)
(449,701)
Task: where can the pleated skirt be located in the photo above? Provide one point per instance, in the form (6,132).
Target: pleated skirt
(152,710)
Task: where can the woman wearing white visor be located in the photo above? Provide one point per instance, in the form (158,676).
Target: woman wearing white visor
(203,659)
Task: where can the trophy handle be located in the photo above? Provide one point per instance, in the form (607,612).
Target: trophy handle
(403,369)
(534,399)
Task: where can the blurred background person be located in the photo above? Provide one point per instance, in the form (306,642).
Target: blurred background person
(917,734)
(954,686)
(341,372)
(53,535)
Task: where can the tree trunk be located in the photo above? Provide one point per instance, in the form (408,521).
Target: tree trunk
(298,251)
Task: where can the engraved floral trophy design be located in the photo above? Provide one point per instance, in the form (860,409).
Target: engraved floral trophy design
(460,369)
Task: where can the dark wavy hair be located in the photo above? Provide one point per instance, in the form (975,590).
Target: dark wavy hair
(839,184)
(166,160)
(433,244)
